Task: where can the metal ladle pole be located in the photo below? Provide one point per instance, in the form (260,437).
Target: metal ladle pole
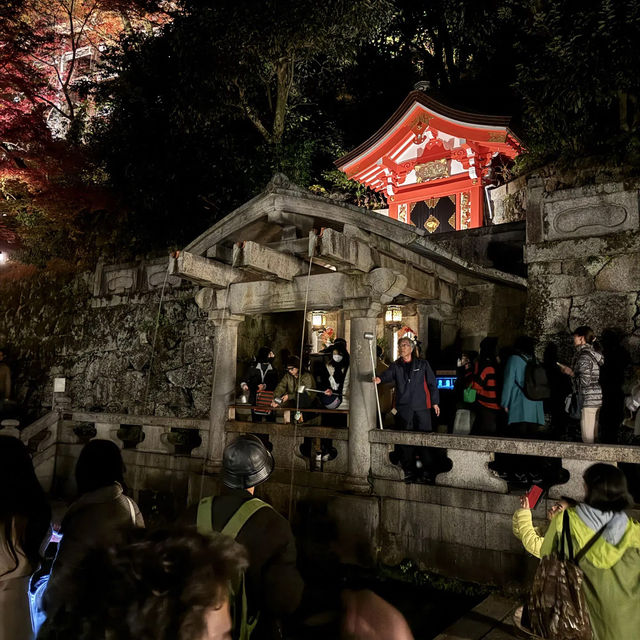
(369,336)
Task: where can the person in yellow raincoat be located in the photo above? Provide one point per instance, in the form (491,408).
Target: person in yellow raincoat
(612,566)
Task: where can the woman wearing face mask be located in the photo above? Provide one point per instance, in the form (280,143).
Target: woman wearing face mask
(334,378)
(261,376)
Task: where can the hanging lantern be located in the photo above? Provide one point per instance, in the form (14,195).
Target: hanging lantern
(393,316)
(318,320)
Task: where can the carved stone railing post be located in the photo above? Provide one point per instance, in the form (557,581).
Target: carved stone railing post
(225,350)
(362,401)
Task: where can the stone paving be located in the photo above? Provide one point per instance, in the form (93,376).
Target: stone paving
(492,619)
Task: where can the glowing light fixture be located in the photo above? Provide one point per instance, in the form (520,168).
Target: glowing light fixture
(393,316)
(318,320)
(3,257)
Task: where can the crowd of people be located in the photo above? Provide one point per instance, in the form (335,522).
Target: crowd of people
(504,403)
(499,392)
(321,383)
(228,568)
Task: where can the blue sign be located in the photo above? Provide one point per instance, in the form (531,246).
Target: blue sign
(446,382)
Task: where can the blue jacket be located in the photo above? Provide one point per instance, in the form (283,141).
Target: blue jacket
(521,409)
(418,390)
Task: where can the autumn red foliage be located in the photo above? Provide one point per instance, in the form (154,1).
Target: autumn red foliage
(49,53)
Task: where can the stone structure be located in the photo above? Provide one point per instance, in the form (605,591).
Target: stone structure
(248,277)
(287,249)
(583,257)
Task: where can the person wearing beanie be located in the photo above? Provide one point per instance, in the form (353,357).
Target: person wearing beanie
(290,384)
(273,584)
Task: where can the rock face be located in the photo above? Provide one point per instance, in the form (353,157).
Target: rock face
(583,256)
(98,332)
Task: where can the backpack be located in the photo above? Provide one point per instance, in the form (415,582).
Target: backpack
(536,383)
(242,626)
(557,606)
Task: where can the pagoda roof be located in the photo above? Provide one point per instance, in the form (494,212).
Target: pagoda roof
(423,129)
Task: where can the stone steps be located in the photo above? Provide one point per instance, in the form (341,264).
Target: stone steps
(492,619)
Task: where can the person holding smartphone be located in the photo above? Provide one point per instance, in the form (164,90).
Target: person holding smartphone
(523,529)
(585,375)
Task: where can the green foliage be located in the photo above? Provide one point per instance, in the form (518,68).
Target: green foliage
(197,116)
(578,80)
(197,119)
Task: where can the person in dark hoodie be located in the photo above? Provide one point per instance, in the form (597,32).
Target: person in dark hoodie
(261,376)
(98,518)
(586,380)
(416,395)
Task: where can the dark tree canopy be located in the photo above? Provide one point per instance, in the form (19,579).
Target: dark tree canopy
(191,119)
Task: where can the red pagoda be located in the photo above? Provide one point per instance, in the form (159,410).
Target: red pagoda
(433,162)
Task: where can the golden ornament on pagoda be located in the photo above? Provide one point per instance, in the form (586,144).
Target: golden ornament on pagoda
(432,170)
(431,224)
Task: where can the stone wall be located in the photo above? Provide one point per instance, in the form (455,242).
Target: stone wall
(97,331)
(499,245)
(583,252)
(583,256)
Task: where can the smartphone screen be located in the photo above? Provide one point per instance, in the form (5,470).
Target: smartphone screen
(534,495)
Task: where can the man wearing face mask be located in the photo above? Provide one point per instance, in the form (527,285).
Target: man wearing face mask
(261,376)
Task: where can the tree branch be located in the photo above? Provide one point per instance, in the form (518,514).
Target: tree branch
(251,114)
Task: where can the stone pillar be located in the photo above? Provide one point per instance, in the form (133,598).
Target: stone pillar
(225,350)
(423,311)
(362,402)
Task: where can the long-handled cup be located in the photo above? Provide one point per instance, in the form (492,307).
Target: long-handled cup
(369,336)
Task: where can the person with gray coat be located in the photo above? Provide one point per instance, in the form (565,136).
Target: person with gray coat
(585,375)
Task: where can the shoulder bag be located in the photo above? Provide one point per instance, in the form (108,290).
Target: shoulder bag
(557,606)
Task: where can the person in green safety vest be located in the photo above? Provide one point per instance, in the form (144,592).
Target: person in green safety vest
(273,586)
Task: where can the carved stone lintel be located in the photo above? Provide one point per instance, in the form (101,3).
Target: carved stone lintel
(361,308)
(262,260)
(221,317)
(205,271)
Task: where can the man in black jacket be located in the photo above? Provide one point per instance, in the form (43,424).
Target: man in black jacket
(273,584)
(416,394)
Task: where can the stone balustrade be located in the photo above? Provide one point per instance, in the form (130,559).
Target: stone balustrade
(41,437)
(154,434)
(461,525)
(471,456)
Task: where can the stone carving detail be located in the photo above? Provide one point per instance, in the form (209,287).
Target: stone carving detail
(607,216)
(118,282)
(156,277)
(585,212)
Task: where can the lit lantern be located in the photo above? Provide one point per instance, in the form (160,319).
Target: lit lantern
(318,320)
(3,257)
(393,316)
